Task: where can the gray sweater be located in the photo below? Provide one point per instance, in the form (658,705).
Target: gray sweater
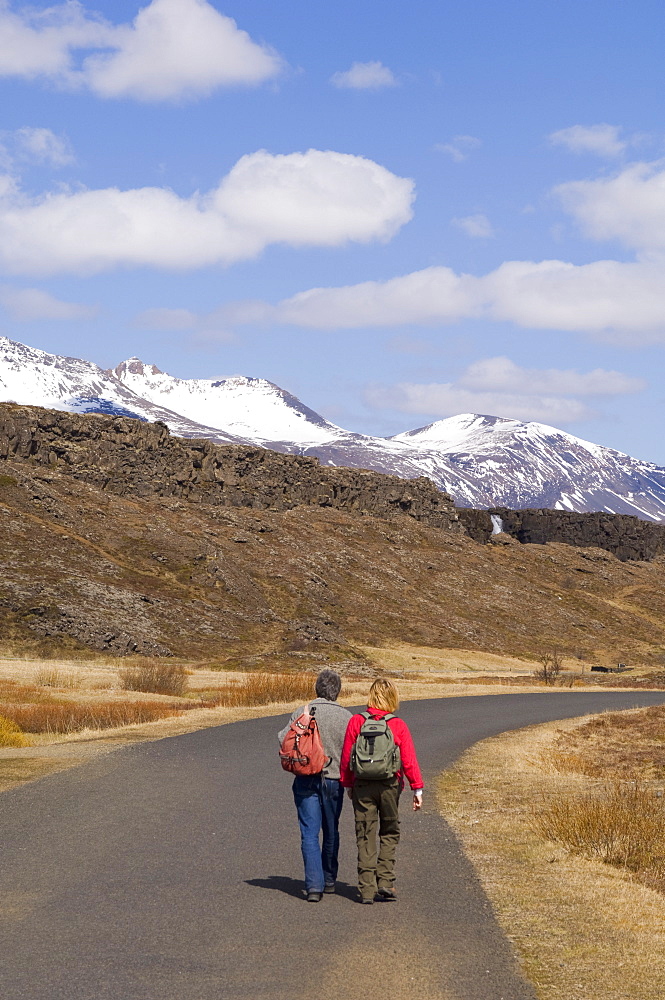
(332,720)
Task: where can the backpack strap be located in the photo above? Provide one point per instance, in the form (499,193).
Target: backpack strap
(366,715)
(312,712)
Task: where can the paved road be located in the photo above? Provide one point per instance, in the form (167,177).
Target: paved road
(171,871)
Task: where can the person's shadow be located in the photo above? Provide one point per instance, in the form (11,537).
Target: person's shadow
(294,887)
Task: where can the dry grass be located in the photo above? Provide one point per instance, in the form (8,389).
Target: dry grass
(72,717)
(18,771)
(623,821)
(622,824)
(623,745)
(403,658)
(155,677)
(583,929)
(263,689)
(48,676)
(645,680)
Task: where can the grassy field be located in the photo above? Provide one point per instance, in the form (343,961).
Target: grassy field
(550,816)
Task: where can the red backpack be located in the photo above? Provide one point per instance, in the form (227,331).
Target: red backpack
(302,751)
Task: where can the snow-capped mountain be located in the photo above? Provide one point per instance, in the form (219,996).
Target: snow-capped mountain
(28,375)
(534,465)
(482,461)
(249,408)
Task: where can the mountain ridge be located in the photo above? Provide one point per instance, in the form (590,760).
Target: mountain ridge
(480,460)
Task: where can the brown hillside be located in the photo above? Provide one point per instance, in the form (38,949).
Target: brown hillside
(95,558)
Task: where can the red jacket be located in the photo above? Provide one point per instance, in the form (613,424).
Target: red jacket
(403,740)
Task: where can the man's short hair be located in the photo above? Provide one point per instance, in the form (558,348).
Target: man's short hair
(328,685)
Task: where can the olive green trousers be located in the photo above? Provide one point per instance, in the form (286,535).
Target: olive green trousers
(376,809)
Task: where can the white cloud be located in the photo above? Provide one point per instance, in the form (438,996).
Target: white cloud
(26,304)
(433,295)
(477,226)
(317,198)
(625,301)
(37,43)
(179,48)
(602,140)
(446,400)
(629,206)
(41,145)
(459,147)
(174,49)
(365,76)
(622,301)
(500,387)
(503,375)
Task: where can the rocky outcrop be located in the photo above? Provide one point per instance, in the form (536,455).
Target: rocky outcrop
(129,457)
(624,536)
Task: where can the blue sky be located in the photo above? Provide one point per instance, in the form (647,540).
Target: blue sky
(396,211)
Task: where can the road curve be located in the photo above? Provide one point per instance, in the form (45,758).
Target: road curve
(171,871)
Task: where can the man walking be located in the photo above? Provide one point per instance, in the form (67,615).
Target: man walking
(319,797)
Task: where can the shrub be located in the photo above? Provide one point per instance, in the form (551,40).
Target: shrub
(11,734)
(155,677)
(622,825)
(15,691)
(552,664)
(263,689)
(52,677)
(72,716)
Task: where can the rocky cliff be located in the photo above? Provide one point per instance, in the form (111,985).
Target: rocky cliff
(131,458)
(624,536)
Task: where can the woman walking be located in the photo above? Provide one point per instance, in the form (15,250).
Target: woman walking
(378,753)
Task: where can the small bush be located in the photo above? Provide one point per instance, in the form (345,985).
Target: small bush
(72,717)
(264,689)
(11,734)
(155,678)
(52,677)
(622,825)
(552,664)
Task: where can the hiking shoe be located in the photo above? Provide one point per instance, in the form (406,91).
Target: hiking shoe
(329,887)
(314,897)
(387,895)
(366,899)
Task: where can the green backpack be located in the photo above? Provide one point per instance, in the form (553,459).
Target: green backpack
(375,755)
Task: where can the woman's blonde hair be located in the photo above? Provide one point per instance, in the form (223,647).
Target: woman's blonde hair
(384,695)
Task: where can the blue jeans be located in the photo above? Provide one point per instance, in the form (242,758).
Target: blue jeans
(319,803)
